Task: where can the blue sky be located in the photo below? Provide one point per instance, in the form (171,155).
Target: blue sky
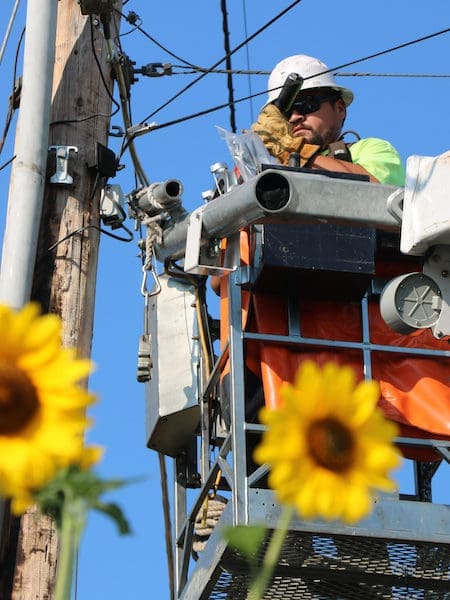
(411,112)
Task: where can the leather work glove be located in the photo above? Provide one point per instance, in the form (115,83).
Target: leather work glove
(275,132)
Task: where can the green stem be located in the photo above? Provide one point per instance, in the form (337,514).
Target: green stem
(262,579)
(72,524)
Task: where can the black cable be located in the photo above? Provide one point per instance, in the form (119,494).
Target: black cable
(333,70)
(7,163)
(85,227)
(98,182)
(15,94)
(117,32)
(411,75)
(265,72)
(97,62)
(82,119)
(338,73)
(382,52)
(203,112)
(353,62)
(173,269)
(152,39)
(186,118)
(226,36)
(247,53)
(238,47)
(94,115)
(219,71)
(130,237)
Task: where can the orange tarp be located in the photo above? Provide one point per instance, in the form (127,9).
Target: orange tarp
(415,390)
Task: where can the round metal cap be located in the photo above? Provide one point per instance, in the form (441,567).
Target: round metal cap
(411,302)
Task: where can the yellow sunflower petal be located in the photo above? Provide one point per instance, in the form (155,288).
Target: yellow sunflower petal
(90,456)
(15,325)
(365,398)
(21,502)
(43,405)
(328,446)
(358,505)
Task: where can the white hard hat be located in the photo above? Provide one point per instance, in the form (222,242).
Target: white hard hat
(311,70)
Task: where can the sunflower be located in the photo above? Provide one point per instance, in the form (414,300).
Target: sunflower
(329,446)
(42,406)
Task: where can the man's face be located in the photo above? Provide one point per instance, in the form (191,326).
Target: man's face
(321,126)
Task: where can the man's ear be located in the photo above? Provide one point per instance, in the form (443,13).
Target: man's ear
(341,109)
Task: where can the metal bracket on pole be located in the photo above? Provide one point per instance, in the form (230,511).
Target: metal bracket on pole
(198,260)
(61,174)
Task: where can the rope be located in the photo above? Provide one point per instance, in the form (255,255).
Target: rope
(153,236)
(206,520)
(208,516)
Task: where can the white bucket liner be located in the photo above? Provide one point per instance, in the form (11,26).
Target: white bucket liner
(426,204)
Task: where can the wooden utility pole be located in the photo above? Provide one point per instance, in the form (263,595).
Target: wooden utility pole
(66,267)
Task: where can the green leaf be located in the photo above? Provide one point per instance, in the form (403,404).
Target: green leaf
(246,539)
(72,486)
(115,512)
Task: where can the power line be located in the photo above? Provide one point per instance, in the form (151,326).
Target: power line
(238,47)
(333,70)
(154,127)
(338,73)
(393,75)
(130,20)
(393,49)
(8,29)
(4,165)
(226,35)
(14,99)
(247,55)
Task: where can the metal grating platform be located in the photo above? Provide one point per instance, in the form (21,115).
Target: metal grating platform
(323,567)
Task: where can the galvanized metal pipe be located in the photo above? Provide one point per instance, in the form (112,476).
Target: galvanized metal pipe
(31,148)
(276,196)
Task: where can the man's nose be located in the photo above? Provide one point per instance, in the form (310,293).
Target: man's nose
(296,116)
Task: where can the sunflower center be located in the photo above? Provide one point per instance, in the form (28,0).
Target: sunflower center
(331,444)
(18,399)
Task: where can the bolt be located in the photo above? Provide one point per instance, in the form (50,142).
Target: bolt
(444,273)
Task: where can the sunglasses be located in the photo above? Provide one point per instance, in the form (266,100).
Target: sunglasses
(309,104)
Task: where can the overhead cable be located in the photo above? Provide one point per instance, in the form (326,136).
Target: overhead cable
(333,70)
(410,75)
(247,55)
(238,47)
(338,73)
(152,39)
(4,165)
(8,29)
(14,98)
(382,52)
(226,36)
